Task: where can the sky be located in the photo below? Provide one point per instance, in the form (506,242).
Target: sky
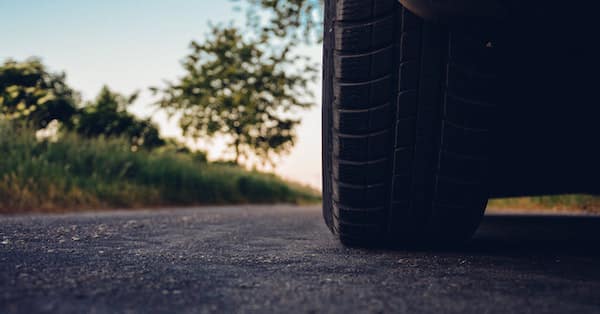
(131,45)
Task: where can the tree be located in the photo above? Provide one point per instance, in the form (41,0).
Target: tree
(28,92)
(107,116)
(295,20)
(292,19)
(238,88)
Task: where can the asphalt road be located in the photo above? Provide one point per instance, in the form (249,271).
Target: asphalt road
(282,259)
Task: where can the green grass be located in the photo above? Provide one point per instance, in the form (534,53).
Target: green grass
(566,202)
(74,174)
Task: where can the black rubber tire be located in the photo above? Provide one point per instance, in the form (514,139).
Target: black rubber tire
(406,111)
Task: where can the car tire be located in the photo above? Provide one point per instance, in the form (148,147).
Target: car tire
(407,106)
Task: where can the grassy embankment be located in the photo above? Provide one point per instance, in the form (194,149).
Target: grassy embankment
(76,174)
(553,203)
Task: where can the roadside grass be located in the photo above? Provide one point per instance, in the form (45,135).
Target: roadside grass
(557,203)
(74,173)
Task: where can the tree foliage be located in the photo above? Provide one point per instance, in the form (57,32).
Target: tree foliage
(238,88)
(295,20)
(107,116)
(28,92)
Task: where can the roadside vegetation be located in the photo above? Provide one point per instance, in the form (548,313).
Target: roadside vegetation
(76,173)
(59,152)
(554,203)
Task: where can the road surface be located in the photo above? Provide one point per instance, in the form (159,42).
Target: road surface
(282,259)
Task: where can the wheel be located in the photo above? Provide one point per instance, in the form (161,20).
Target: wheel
(407,106)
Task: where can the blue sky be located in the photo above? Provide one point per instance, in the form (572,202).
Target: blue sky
(130,45)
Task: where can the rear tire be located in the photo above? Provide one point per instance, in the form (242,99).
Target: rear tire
(406,112)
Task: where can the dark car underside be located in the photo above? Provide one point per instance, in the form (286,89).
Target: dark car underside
(546,135)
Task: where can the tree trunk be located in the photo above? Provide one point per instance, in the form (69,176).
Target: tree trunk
(237,151)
